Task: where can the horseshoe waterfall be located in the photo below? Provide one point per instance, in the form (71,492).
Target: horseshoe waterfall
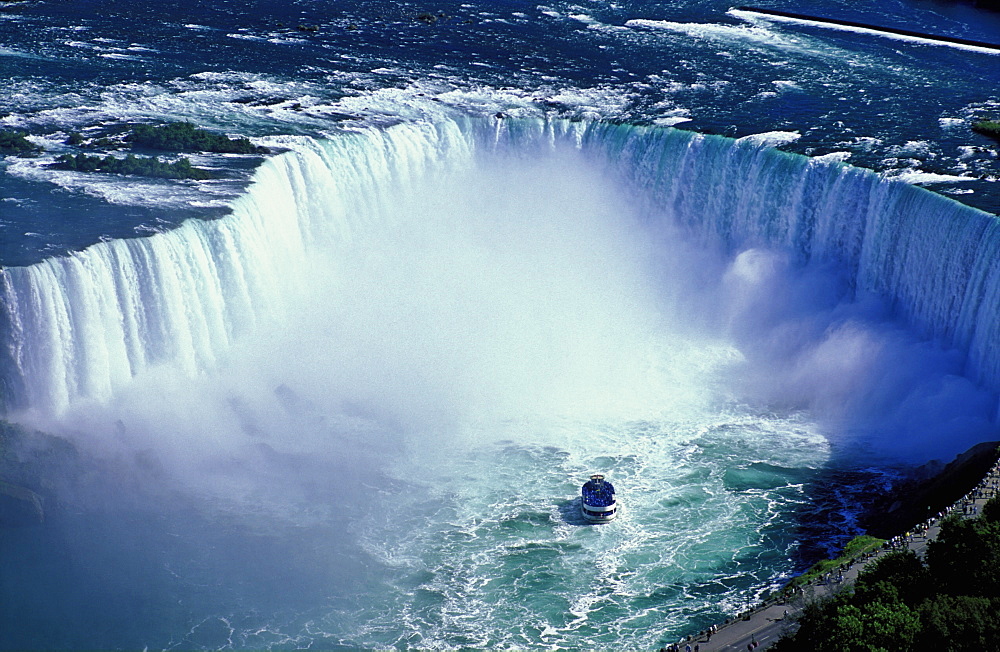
(370,390)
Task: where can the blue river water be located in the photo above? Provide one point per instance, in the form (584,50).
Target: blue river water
(344,396)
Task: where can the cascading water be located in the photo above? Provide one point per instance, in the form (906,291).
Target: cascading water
(406,347)
(81,325)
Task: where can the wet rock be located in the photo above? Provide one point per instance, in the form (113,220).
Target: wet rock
(19,506)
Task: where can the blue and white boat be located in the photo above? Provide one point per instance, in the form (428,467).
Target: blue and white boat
(599,504)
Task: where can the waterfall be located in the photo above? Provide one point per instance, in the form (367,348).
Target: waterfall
(81,326)
(934,260)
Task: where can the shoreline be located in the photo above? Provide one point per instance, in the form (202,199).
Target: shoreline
(763,624)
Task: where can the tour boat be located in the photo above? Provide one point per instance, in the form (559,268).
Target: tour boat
(599,504)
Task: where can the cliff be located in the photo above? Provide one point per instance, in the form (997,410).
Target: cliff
(929,490)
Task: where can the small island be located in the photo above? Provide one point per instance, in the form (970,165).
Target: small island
(15,142)
(185,137)
(988,128)
(147,166)
(170,137)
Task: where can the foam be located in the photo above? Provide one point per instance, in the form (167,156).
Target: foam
(772,138)
(917,176)
(750,15)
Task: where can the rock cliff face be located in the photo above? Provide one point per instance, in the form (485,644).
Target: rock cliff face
(30,462)
(930,489)
(19,506)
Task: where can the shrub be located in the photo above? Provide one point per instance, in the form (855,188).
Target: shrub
(15,142)
(147,166)
(185,137)
(990,128)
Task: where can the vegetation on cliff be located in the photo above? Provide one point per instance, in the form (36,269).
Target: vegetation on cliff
(902,603)
(855,548)
(148,166)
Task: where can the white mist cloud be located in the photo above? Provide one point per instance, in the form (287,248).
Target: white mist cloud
(515,288)
(810,345)
(520,288)
(529,284)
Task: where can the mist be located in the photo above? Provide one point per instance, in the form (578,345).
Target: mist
(514,290)
(525,285)
(874,386)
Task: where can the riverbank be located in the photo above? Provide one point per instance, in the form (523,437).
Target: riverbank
(762,626)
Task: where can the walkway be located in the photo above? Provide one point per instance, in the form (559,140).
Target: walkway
(765,624)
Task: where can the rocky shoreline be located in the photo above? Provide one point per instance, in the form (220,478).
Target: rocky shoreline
(929,490)
(958,485)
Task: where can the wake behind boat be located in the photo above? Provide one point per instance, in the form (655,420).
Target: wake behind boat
(599,504)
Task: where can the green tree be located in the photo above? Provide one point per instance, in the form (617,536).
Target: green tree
(879,627)
(964,559)
(15,142)
(900,573)
(884,625)
(991,510)
(185,137)
(149,166)
(960,623)
(815,622)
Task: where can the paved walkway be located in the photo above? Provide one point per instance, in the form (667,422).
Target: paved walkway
(765,624)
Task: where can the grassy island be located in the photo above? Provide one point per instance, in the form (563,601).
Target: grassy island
(185,137)
(147,166)
(990,128)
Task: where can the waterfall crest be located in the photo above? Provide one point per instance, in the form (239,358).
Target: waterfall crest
(80,326)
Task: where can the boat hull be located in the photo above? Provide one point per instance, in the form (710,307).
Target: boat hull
(600,513)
